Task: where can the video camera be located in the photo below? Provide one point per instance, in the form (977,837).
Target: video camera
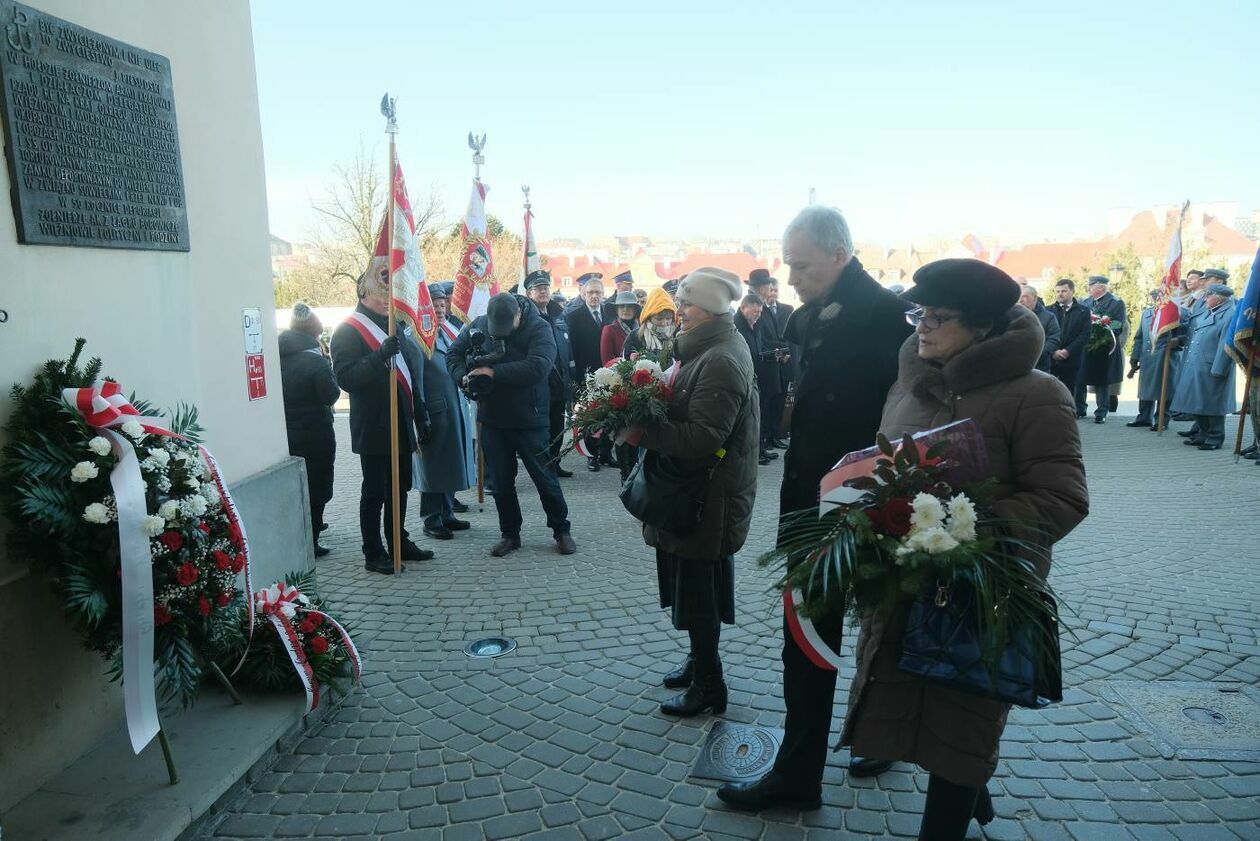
(483,351)
(774,354)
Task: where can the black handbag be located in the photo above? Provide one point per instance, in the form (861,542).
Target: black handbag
(668,493)
(942,645)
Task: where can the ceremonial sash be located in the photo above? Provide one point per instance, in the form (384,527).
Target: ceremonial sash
(806,635)
(372,337)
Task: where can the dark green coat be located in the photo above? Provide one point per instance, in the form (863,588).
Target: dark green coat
(715,403)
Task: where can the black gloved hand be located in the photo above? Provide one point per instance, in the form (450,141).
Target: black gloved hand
(388,349)
(424,429)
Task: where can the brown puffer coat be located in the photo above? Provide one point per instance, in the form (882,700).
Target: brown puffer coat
(715,403)
(1029,424)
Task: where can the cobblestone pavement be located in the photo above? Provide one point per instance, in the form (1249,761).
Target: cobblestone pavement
(563,739)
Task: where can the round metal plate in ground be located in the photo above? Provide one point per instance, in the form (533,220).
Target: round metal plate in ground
(490,647)
(742,751)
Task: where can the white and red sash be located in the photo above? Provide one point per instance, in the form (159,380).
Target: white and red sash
(279,605)
(372,337)
(806,635)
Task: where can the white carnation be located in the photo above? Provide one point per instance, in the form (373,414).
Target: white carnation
(169,510)
(606,378)
(83,471)
(936,541)
(962,519)
(159,455)
(153,525)
(211,493)
(97,513)
(133,429)
(928,513)
(196,504)
(99,445)
(650,365)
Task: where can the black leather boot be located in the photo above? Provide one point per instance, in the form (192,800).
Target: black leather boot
(706,693)
(680,678)
(770,792)
(949,809)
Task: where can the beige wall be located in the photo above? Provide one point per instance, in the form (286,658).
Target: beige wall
(167,324)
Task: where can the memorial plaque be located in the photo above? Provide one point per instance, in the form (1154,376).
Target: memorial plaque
(90,137)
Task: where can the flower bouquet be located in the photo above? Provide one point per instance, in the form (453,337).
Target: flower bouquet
(1102,334)
(917,526)
(624,394)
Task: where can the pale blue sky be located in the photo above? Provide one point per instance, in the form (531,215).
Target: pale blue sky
(916,118)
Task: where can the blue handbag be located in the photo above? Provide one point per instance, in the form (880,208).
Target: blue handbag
(942,645)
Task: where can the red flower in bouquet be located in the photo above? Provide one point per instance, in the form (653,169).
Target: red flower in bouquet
(619,400)
(221,561)
(203,528)
(319,645)
(172,540)
(893,517)
(641,377)
(203,606)
(186,575)
(238,563)
(224,598)
(161,615)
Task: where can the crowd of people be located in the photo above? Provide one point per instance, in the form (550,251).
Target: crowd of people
(751,376)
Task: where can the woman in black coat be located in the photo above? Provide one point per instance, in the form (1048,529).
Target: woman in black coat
(310,390)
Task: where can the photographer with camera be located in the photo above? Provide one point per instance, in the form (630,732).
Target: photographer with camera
(361,353)
(764,347)
(503,360)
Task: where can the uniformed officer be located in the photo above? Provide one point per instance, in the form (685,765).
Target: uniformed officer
(1205,386)
(1147,361)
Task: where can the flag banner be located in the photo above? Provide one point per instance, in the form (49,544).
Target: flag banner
(410,293)
(531,249)
(1167,312)
(475,283)
(1242,336)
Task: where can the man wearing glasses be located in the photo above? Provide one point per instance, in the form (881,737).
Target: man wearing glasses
(849,330)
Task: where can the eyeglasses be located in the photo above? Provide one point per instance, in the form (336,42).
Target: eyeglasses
(916,316)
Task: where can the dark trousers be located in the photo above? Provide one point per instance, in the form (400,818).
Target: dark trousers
(775,422)
(704,648)
(1068,375)
(435,507)
(808,693)
(376,495)
(1146,411)
(769,424)
(555,428)
(501,448)
(948,810)
(319,457)
(1102,400)
(1211,429)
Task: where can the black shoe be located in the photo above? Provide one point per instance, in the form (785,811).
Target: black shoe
(321,551)
(505,546)
(779,444)
(456,524)
(680,678)
(1080,414)
(1250,452)
(412,552)
(763,459)
(770,454)
(1113,403)
(592,464)
(1134,423)
(380,562)
(1100,419)
(1182,416)
(767,793)
(565,545)
(699,697)
(1209,446)
(1192,442)
(1185,434)
(562,473)
(458,507)
(608,461)
(323,527)
(438,531)
(860,766)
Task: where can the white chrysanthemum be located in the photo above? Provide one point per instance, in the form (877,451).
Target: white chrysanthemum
(169,510)
(928,513)
(153,525)
(606,378)
(97,513)
(99,445)
(649,365)
(133,429)
(935,541)
(83,471)
(211,493)
(150,465)
(163,483)
(193,506)
(962,519)
(159,455)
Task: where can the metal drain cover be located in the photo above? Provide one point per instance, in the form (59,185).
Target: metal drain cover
(735,752)
(490,647)
(1196,720)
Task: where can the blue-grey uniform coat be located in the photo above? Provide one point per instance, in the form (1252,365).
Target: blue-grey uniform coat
(447,463)
(1149,356)
(1205,380)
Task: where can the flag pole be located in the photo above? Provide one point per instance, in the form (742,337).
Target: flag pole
(525,262)
(391,128)
(1160,410)
(478,145)
(1246,405)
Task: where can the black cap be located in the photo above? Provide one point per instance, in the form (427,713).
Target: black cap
(758,278)
(501,314)
(972,287)
(670,287)
(538,277)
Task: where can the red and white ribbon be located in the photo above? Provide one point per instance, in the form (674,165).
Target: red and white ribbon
(280,603)
(806,635)
(373,336)
(105,409)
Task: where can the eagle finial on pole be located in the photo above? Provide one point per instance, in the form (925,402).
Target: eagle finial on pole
(478,145)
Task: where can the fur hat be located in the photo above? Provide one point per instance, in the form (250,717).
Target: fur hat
(711,289)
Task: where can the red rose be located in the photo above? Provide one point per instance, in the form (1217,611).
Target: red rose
(892,518)
(203,528)
(160,614)
(667,393)
(238,563)
(307,626)
(224,598)
(619,401)
(186,575)
(319,645)
(221,560)
(203,606)
(234,534)
(172,540)
(641,377)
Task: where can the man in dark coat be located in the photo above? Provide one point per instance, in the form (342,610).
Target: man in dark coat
(361,353)
(769,293)
(770,364)
(850,330)
(538,290)
(1029,299)
(749,319)
(1073,318)
(586,327)
(513,397)
(1101,368)
(310,390)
